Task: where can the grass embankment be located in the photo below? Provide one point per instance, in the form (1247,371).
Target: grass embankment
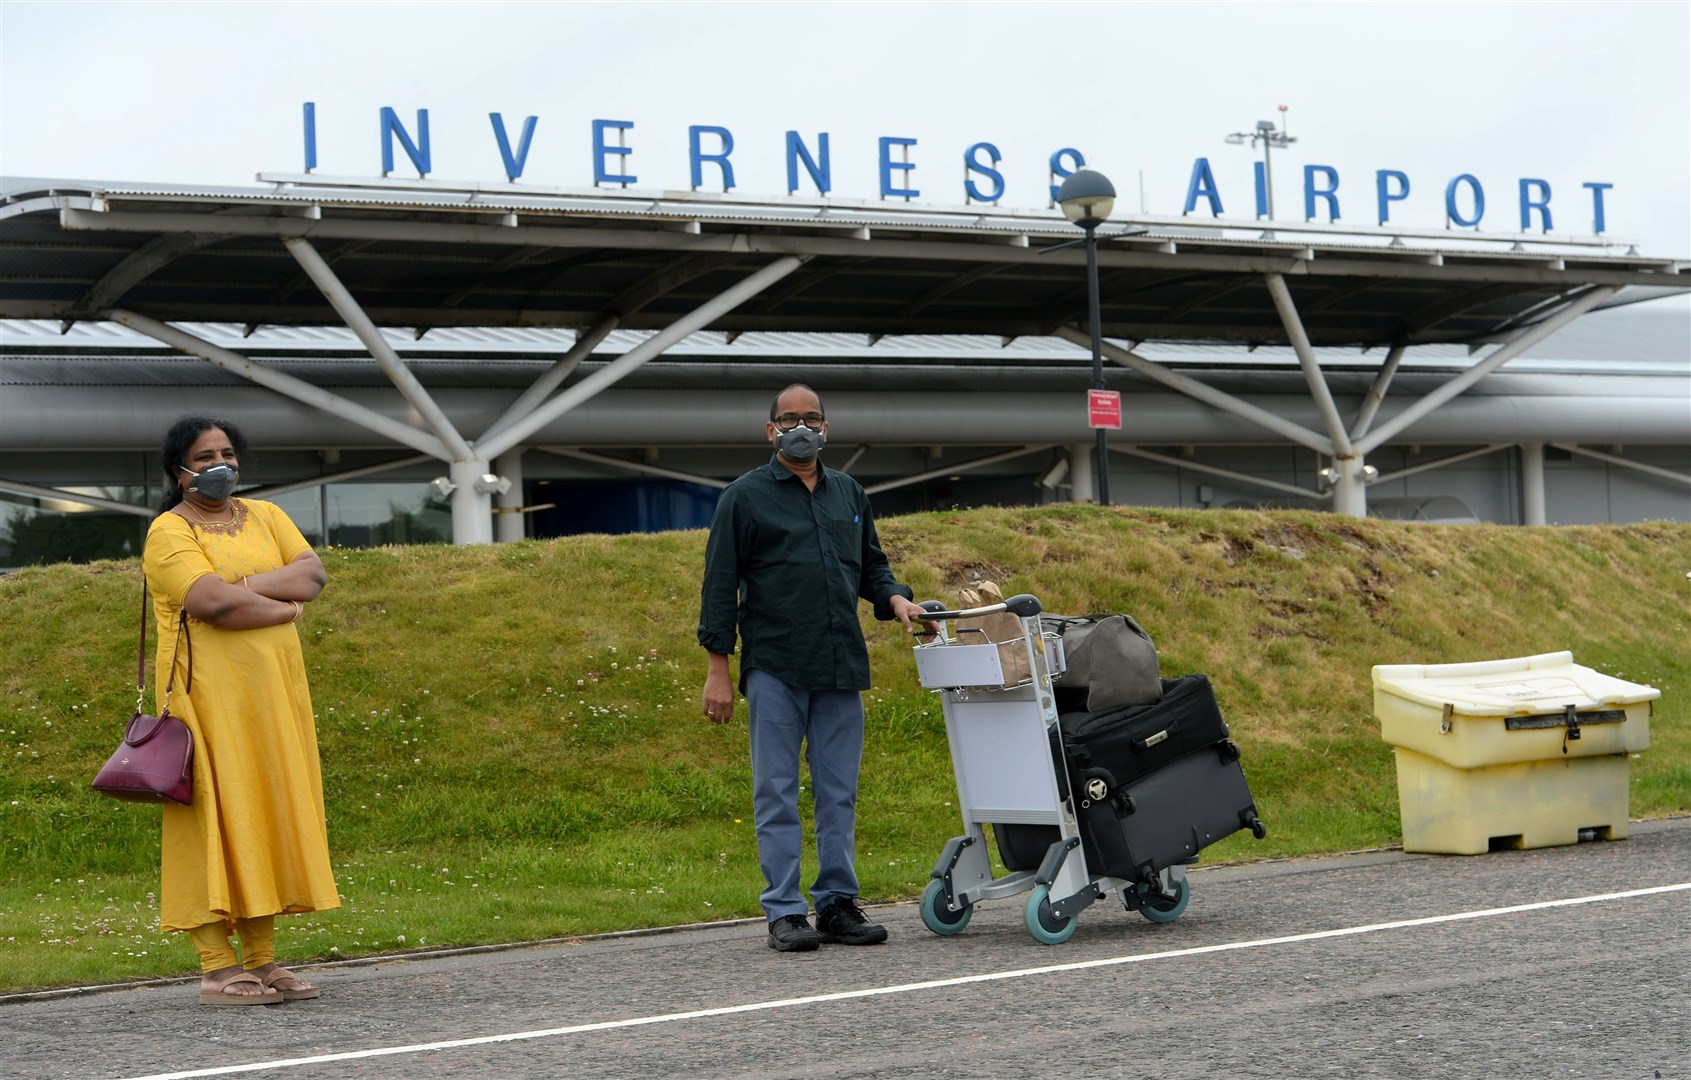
(512,745)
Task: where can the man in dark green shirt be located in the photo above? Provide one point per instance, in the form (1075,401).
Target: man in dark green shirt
(792,550)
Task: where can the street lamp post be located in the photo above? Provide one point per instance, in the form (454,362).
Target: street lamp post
(1270,137)
(1087,198)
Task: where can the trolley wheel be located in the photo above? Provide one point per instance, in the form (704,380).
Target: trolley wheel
(1045,927)
(939,918)
(1164,911)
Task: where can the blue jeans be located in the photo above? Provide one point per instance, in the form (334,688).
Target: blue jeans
(830,724)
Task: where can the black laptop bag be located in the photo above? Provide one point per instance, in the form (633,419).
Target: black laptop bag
(1131,742)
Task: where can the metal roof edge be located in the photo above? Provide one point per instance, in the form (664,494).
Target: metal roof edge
(728,208)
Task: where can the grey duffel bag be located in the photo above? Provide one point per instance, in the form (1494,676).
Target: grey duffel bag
(1112,663)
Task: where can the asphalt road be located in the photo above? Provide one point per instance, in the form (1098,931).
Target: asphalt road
(1559,962)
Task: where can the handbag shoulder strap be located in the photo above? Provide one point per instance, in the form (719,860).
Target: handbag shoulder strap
(141,660)
(182,632)
(141,657)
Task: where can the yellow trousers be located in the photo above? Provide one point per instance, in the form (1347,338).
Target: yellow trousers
(257,937)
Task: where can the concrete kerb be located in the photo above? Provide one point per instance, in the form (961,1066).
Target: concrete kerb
(386,958)
(1259,870)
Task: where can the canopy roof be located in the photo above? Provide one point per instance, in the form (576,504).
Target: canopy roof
(422,256)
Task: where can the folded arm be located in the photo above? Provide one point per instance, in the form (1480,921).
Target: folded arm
(300,580)
(217,603)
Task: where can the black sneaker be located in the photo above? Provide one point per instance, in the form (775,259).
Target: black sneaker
(844,923)
(792,933)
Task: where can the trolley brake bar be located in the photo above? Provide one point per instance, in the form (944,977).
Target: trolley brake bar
(947,863)
(1069,906)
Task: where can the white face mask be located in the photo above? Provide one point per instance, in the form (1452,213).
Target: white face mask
(800,443)
(214,482)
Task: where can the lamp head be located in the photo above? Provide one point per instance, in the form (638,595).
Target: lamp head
(1087,197)
(491,484)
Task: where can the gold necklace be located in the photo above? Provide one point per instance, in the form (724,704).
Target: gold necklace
(201,518)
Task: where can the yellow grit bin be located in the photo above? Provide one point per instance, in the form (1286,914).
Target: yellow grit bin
(1520,753)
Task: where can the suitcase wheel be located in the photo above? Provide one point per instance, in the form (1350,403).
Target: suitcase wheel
(1162,909)
(1045,927)
(939,918)
(1254,823)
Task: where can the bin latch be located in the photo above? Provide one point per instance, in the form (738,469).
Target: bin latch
(1444,721)
(1571,718)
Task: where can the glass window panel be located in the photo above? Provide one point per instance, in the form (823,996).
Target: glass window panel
(305,509)
(369,515)
(36,531)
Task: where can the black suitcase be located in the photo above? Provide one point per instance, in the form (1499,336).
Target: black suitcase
(1138,830)
(1118,759)
(1168,816)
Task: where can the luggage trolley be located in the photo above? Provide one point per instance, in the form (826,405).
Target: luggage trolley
(1002,740)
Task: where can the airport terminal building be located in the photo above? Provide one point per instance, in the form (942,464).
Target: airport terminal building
(415,362)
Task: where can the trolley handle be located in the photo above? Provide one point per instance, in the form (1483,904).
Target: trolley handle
(1023,605)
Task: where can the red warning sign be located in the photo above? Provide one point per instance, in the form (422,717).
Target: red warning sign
(1103,409)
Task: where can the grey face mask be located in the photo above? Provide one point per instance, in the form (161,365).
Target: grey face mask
(215,482)
(800,443)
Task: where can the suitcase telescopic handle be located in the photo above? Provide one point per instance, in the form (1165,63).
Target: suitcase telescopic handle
(1022,605)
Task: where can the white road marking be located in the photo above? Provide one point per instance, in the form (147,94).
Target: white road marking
(908,988)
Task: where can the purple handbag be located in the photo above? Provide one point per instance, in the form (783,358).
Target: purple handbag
(155,761)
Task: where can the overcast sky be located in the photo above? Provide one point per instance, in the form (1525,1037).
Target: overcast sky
(211,93)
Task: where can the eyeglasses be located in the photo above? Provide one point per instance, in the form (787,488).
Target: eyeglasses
(787,421)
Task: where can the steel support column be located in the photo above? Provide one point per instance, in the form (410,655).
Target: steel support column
(1532,484)
(1350,494)
(286,385)
(472,509)
(1209,395)
(337,477)
(135,268)
(555,375)
(36,491)
(508,522)
(1615,459)
(1439,463)
(1377,392)
(1380,435)
(1081,487)
(957,467)
(608,375)
(1211,470)
(856,456)
(631,300)
(1350,487)
(1317,382)
(639,467)
(392,366)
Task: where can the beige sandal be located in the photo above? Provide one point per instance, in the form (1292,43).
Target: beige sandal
(220,994)
(301,990)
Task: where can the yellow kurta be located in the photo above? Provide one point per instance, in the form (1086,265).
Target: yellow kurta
(255,841)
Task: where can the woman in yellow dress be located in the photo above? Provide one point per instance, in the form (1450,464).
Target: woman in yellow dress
(254,843)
